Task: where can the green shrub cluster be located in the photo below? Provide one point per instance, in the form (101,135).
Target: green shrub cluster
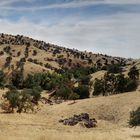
(113,84)
(22,101)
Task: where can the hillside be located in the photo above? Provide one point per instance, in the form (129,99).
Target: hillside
(32,106)
(24,53)
(112,114)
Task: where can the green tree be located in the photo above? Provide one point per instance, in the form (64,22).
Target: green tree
(82,91)
(13,97)
(114,68)
(2,79)
(121,82)
(17,79)
(25,102)
(22,101)
(63,92)
(98,87)
(131,85)
(133,73)
(30,82)
(35,93)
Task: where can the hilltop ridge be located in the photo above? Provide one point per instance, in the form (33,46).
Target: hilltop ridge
(20,52)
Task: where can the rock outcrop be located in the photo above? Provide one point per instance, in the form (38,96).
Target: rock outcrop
(82,119)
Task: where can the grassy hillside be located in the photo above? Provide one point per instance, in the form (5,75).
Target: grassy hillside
(112,114)
(50,81)
(19,52)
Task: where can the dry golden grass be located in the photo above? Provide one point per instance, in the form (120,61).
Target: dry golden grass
(111,112)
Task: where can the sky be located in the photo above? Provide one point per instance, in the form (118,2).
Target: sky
(102,26)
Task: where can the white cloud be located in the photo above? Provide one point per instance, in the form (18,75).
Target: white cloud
(6,5)
(9,2)
(115,35)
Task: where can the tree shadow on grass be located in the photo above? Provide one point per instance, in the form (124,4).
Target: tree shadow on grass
(136,136)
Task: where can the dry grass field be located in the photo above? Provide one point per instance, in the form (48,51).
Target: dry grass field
(112,113)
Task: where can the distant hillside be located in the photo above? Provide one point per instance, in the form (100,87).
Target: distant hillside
(24,53)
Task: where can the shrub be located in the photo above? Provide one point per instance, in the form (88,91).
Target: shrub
(35,93)
(98,87)
(112,84)
(131,85)
(34,52)
(13,97)
(23,101)
(73,96)
(85,80)
(30,60)
(2,79)
(134,73)
(82,91)
(47,65)
(17,79)
(1,53)
(114,68)
(104,68)
(64,92)
(18,54)
(121,82)
(135,118)
(30,82)
(7,49)
(8,61)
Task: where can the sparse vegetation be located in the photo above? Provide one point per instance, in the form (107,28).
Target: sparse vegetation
(135,118)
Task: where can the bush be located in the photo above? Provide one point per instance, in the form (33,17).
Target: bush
(134,73)
(98,87)
(35,93)
(2,79)
(17,79)
(80,72)
(1,53)
(8,61)
(113,84)
(85,80)
(104,68)
(131,85)
(121,82)
(13,97)
(82,91)
(21,101)
(73,96)
(34,52)
(135,118)
(64,92)
(114,68)
(25,102)
(30,81)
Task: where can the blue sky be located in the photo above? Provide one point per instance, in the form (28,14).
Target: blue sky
(102,26)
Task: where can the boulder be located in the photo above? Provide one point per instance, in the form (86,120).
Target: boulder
(82,118)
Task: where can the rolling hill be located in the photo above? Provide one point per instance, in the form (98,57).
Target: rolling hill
(112,114)
(24,53)
(20,53)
